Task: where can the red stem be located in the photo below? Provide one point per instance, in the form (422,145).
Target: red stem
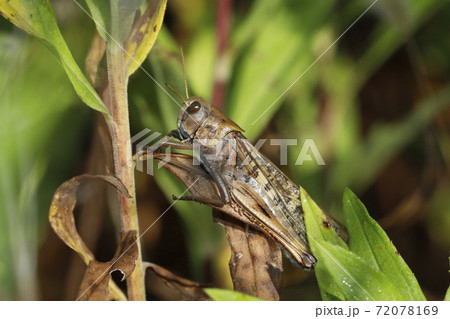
(222,30)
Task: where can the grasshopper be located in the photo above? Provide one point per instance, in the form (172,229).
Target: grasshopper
(243,175)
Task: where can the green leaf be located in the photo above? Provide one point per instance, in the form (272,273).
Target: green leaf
(315,223)
(100,13)
(229,295)
(370,242)
(37,18)
(107,16)
(351,275)
(447,295)
(314,218)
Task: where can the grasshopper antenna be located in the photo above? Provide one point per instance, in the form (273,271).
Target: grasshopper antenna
(173,90)
(184,72)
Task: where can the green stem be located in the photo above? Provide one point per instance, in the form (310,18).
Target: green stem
(120,133)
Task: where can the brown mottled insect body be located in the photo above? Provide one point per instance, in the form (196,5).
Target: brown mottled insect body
(243,175)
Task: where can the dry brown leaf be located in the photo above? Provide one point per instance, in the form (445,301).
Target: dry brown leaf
(61,211)
(256,262)
(94,286)
(94,57)
(96,280)
(187,288)
(63,222)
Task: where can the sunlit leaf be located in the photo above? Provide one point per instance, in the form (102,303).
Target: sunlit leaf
(370,242)
(351,275)
(341,274)
(316,230)
(37,18)
(355,273)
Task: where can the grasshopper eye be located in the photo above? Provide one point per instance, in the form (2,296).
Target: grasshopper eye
(193,108)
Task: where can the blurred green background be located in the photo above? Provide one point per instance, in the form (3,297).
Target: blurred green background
(375,104)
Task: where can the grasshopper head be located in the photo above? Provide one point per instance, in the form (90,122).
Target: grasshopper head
(197,112)
(194,112)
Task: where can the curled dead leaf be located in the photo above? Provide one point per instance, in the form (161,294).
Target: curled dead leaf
(63,222)
(97,278)
(61,211)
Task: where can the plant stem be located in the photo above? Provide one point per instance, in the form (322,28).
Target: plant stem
(221,75)
(123,168)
